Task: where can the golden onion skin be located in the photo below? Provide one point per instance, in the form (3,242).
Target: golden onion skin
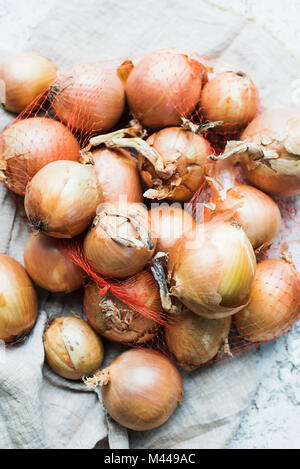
(18,300)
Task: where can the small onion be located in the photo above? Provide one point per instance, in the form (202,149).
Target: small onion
(115,320)
(230,97)
(194,340)
(119,244)
(48,265)
(23,77)
(169,223)
(72,349)
(29,144)
(164,86)
(212,268)
(62,198)
(18,300)
(274,302)
(140,389)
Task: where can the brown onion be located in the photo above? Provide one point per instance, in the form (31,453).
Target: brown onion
(194,340)
(140,389)
(62,198)
(274,301)
(164,86)
(119,244)
(23,77)
(212,268)
(230,97)
(72,349)
(18,300)
(169,223)
(48,265)
(29,144)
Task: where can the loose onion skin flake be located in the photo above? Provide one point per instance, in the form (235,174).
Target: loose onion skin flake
(73,350)
(140,389)
(28,145)
(18,300)
(274,301)
(49,267)
(62,198)
(23,78)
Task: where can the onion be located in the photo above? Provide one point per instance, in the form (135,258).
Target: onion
(18,300)
(164,86)
(256,212)
(140,389)
(62,198)
(169,223)
(48,265)
(212,268)
(28,145)
(230,97)
(119,244)
(194,340)
(23,77)
(275,301)
(73,350)
(117,321)
(89,97)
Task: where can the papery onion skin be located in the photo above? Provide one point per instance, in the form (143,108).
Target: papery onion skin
(274,302)
(143,391)
(18,300)
(25,76)
(72,349)
(62,198)
(186,153)
(230,97)
(116,321)
(48,265)
(103,245)
(169,223)
(164,86)
(29,144)
(212,268)
(117,175)
(194,340)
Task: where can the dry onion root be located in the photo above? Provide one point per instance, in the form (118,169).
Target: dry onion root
(140,389)
(73,350)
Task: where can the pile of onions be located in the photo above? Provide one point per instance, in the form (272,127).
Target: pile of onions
(18,300)
(169,223)
(61,275)
(28,145)
(140,389)
(212,268)
(255,211)
(230,97)
(194,340)
(72,349)
(274,301)
(89,97)
(62,198)
(164,86)
(117,321)
(23,77)
(119,243)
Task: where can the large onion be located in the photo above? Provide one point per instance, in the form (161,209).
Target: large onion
(18,300)
(274,301)
(73,350)
(28,145)
(119,244)
(23,77)
(212,268)
(140,389)
(62,198)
